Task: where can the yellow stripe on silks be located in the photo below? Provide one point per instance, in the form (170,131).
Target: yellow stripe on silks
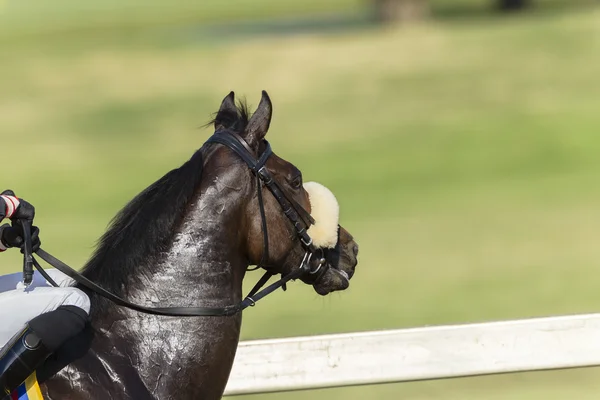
(33,388)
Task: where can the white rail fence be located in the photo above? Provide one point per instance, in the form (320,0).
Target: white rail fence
(264,366)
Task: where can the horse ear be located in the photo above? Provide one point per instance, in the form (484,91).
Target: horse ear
(258,125)
(227,114)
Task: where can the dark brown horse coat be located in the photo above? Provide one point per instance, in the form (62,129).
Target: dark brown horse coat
(187,240)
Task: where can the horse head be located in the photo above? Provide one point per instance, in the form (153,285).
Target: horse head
(284,250)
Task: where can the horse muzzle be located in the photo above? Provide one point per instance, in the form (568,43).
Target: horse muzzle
(339,248)
(342,261)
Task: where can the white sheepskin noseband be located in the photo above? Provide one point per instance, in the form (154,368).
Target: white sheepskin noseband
(326,212)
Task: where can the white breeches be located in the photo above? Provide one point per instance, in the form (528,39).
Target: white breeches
(19,305)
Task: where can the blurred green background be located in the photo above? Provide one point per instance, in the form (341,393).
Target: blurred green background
(463,149)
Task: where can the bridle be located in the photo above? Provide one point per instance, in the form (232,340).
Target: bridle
(298,216)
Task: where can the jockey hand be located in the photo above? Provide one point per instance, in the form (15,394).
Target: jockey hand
(12,236)
(17,210)
(14,208)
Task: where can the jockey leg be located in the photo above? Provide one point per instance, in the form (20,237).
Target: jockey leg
(60,314)
(21,356)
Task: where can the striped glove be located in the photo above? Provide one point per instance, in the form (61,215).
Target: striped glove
(16,209)
(9,204)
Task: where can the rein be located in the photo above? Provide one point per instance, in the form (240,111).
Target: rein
(248,301)
(298,216)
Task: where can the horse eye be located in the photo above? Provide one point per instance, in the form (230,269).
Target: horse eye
(297,183)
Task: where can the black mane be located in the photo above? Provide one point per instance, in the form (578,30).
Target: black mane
(144,227)
(235,121)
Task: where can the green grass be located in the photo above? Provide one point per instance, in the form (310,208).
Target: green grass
(464,157)
(35,16)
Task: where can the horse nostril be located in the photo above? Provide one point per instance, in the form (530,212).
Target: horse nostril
(355,249)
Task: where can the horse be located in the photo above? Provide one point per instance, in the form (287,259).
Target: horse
(189,239)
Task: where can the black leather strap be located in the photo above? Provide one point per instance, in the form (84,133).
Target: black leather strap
(287,207)
(261,206)
(251,300)
(171,311)
(261,282)
(44,273)
(242,150)
(27,252)
(165,311)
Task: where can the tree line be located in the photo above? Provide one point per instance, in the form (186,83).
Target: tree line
(404,10)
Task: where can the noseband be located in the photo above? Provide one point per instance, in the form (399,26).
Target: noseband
(298,216)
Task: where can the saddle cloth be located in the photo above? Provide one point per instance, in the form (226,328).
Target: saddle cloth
(29,390)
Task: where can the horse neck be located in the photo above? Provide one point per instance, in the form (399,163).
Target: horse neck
(204,266)
(204,261)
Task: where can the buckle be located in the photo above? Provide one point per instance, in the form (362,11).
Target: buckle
(310,241)
(264,174)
